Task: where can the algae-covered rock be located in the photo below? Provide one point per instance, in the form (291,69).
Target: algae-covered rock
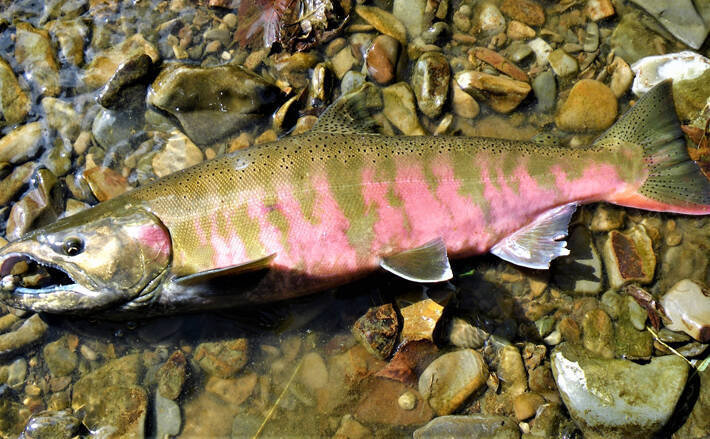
(478,425)
(14,103)
(691,95)
(34,52)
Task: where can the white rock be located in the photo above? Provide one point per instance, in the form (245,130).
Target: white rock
(656,69)
(688,308)
(541,49)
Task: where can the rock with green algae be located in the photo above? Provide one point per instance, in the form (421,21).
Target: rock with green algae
(697,425)
(14,103)
(632,41)
(34,52)
(477,425)
(691,95)
(612,398)
(60,357)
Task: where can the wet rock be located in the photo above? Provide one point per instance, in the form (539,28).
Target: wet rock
(562,63)
(351,81)
(212,103)
(590,106)
(222,358)
(233,391)
(11,185)
(474,426)
(342,62)
(687,306)
(420,319)
(204,416)
(618,398)
(527,11)
(314,373)
(12,415)
(351,429)
(167,417)
(409,361)
(487,19)
(632,41)
(126,87)
(62,117)
(400,110)
(451,378)
(679,66)
(71,35)
(462,18)
(519,31)
(51,425)
(379,405)
(105,183)
(499,62)
(60,357)
(437,34)
(58,160)
(690,95)
(120,411)
(113,129)
(599,9)
(21,143)
(581,271)
(607,218)
(105,64)
(462,334)
(545,88)
(430,80)
(598,333)
(14,103)
(630,342)
(124,372)
(464,104)
(32,330)
(621,77)
(591,37)
(511,371)
(377,330)
(415,15)
(179,153)
(384,22)
(381,59)
(34,52)
(16,373)
(501,93)
(171,376)
(542,51)
(698,423)
(680,18)
(629,257)
(526,404)
(37,207)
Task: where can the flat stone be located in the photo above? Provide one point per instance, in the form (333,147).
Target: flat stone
(62,117)
(119,409)
(314,372)
(179,153)
(71,34)
(34,52)
(51,425)
(21,144)
(629,257)
(212,103)
(60,357)
(379,404)
(14,103)
(519,31)
(222,358)
(499,62)
(598,333)
(11,185)
(415,15)
(383,21)
(487,19)
(232,391)
(381,59)
(590,106)
(527,11)
(430,81)
(167,417)
(633,41)
(477,425)
(599,9)
(526,404)
(687,306)
(501,93)
(400,110)
(511,371)
(420,320)
(451,378)
(562,63)
(612,399)
(123,373)
(680,18)
(105,183)
(545,88)
(349,428)
(30,331)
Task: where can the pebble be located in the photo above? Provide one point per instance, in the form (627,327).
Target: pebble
(233,391)
(526,404)
(14,103)
(478,425)
(691,96)
(222,358)
(511,371)
(542,50)
(562,63)
(379,404)
(34,52)
(526,11)
(591,37)
(462,334)
(607,218)
(30,331)
(545,88)
(519,31)
(629,257)
(599,9)
(413,14)
(487,19)
(125,89)
(383,21)
(167,416)
(598,333)
(105,183)
(179,153)
(500,63)
(517,51)
(463,104)
(430,81)
(171,376)
(314,372)
(407,400)
(21,144)
(61,359)
(71,35)
(381,59)
(400,110)
(16,373)
(51,425)
(451,378)
(632,41)
(618,398)
(104,64)
(687,306)
(621,77)
(11,185)
(501,93)
(342,62)
(377,330)
(590,106)
(420,320)
(62,117)
(351,429)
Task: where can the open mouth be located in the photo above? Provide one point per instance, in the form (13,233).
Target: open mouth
(21,273)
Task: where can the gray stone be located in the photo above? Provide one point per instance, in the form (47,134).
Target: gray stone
(112,129)
(545,88)
(610,398)
(351,81)
(680,18)
(581,271)
(591,37)
(632,41)
(16,373)
(430,81)
(562,63)
(400,110)
(60,358)
(167,416)
(473,426)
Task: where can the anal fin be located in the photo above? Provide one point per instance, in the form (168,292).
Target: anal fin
(428,263)
(232,270)
(538,243)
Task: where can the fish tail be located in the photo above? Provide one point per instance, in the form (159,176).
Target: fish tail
(674,182)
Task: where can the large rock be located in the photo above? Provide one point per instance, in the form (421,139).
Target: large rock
(211,103)
(473,426)
(590,106)
(21,144)
(34,52)
(610,398)
(14,103)
(451,378)
(430,81)
(680,18)
(632,41)
(104,64)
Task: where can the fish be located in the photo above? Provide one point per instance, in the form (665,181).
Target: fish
(316,210)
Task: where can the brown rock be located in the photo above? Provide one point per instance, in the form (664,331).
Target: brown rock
(590,106)
(420,320)
(11,185)
(351,429)
(450,379)
(525,405)
(14,103)
(34,52)
(232,390)
(384,22)
(526,11)
(105,183)
(599,9)
(222,358)
(171,375)
(519,31)
(379,405)
(500,63)
(629,257)
(409,361)
(598,333)
(381,59)
(501,93)
(377,330)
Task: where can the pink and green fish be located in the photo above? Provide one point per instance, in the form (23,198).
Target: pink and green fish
(320,209)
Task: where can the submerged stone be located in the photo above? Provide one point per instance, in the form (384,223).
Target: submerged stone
(34,52)
(500,92)
(14,103)
(104,64)
(50,424)
(451,378)
(430,81)
(71,35)
(29,332)
(222,358)
(629,257)
(377,330)
(420,320)
(478,425)
(687,306)
(680,18)
(590,106)
(21,143)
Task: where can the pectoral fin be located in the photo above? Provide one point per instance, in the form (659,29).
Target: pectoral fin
(428,263)
(204,276)
(541,241)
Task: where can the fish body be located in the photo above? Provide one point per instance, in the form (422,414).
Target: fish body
(319,209)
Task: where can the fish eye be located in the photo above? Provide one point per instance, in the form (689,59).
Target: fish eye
(72,246)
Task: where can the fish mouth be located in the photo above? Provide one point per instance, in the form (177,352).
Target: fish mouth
(22,273)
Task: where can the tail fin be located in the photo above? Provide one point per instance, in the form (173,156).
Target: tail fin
(675,182)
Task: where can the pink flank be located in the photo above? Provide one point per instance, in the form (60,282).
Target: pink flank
(596,181)
(390,228)
(425,213)
(227,250)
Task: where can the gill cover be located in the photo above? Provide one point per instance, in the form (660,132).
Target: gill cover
(108,256)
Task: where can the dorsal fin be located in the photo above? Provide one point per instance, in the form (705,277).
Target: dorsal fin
(351,113)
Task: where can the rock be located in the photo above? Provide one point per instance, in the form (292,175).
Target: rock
(621,77)
(119,410)
(653,70)
(31,331)
(212,103)
(105,64)
(409,361)
(511,371)
(630,342)
(607,218)
(34,52)
(377,330)
(415,15)
(420,319)
(690,96)
(629,257)
(488,19)
(179,153)
(400,110)
(105,183)
(313,373)
(14,103)
(590,106)
(637,315)
(562,63)
(58,160)
(166,416)
(581,271)
(124,372)
(687,306)
(71,35)
(171,376)
(379,404)
(499,62)
(126,87)
(381,59)
(351,429)
(351,81)
(222,358)
(519,31)
(591,37)
(545,88)
(451,378)
(680,18)
(526,404)
(462,18)
(11,185)
(698,423)
(39,206)
(462,334)
(21,144)
(501,93)
(49,424)
(384,22)
(407,401)
(618,398)
(598,333)
(477,425)
(527,11)
(463,104)
(117,129)
(16,373)
(62,117)
(342,62)
(204,416)
(430,81)
(437,34)
(632,41)
(232,391)
(599,9)
(542,51)
(61,359)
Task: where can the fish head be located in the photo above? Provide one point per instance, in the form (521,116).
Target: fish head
(103,257)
